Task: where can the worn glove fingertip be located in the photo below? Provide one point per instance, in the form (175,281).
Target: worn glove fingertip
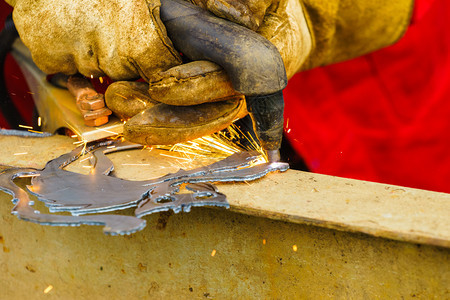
(128,98)
(167,125)
(191,84)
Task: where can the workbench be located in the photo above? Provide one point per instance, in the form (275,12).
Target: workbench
(290,235)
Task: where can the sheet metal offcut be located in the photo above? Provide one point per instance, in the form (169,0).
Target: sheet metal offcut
(98,192)
(113,224)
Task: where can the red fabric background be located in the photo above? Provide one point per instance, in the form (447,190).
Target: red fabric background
(382,117)
(15,82)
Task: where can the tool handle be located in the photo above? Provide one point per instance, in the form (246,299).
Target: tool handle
(254,65)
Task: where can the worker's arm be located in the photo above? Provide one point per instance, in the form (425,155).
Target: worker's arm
(346,29)
(310,33)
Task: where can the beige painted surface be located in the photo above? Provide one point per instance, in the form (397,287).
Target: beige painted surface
(351,205)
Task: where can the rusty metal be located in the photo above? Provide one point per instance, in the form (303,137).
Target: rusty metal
(98,192)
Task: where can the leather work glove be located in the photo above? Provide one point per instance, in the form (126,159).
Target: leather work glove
(113,39)
(125,40)
(307,33)
(311,33)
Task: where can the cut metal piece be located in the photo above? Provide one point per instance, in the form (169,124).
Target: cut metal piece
(113,224)
(99,192)
(63,190)
(76,193)
(204,194)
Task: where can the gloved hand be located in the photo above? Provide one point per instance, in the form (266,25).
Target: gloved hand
(191,100)
(121,42)
(200,82)
(307,33)
(125,39)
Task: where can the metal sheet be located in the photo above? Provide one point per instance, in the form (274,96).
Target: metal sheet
(98,192)
(113,224)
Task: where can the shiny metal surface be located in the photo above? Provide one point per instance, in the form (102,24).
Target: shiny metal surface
(98,192)
(113,224)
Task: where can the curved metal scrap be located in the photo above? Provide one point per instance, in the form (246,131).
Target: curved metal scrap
(97,192)
(113,224)
(63,190)
(204,194)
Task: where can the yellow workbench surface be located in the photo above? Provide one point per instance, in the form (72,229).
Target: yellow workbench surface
(366,240)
